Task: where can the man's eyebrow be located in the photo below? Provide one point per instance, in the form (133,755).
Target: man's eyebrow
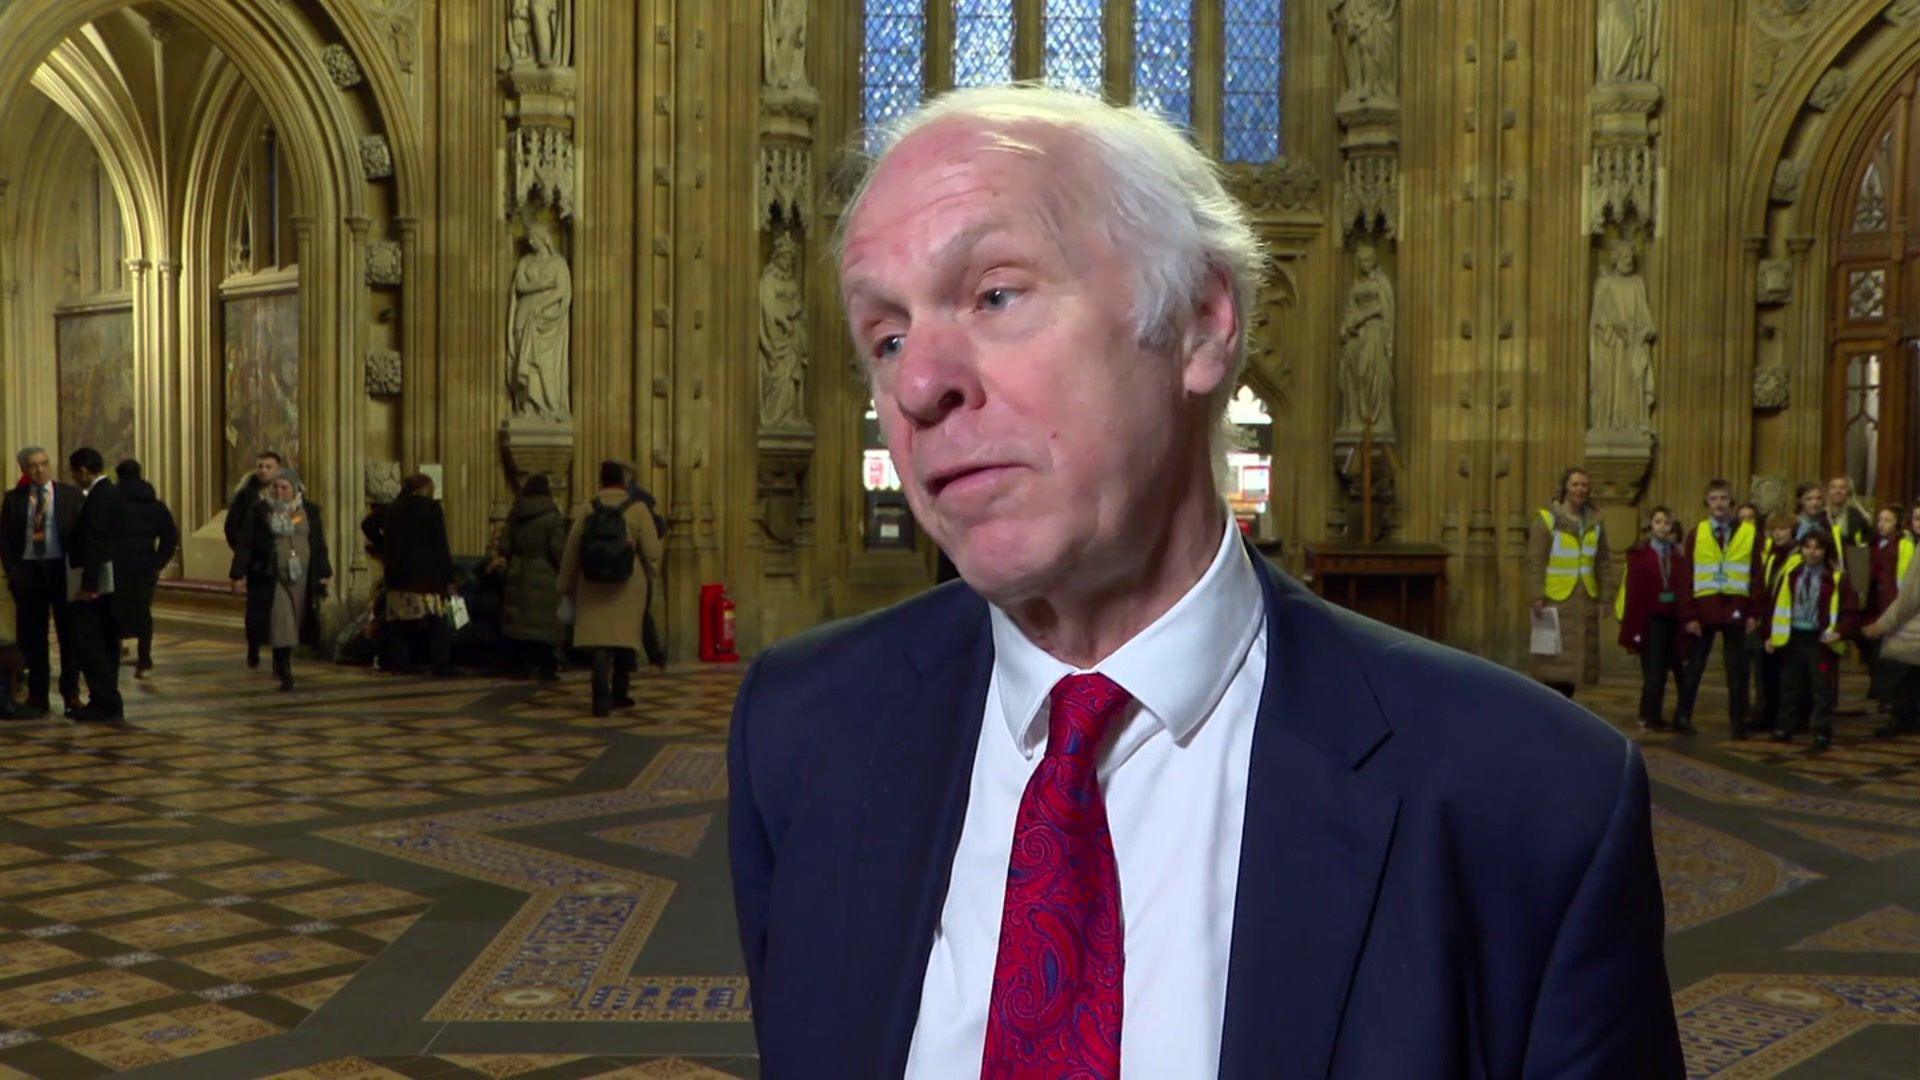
(952,252)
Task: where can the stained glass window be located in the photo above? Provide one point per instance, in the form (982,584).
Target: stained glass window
(1863,420)
(1255,66)
(982,42)
(891,62)
(1076,50)
(1163,58)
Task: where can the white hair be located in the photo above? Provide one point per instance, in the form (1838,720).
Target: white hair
(1163,206)
(26,454)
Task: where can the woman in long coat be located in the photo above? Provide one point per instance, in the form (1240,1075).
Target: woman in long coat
(609,616)
(419,579)
(282,552)
(533,543)
(1571,524)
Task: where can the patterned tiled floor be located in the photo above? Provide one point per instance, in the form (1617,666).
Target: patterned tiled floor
(396,877)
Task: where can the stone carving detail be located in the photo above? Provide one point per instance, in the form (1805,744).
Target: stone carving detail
(1621,335)
(1279,184)
(382,481)
(383,262)
(1366,33)
(784,56)
(383,373)
(1623,41)
(1777,28)
(539,319)
(341,66)
(786,184)
(376,157)
(1787,181)
(540,33)
(1366,350)
(1830,89)
(1775,282)
(1770,387)
(784,352)
(541,160)
(1768,493)
(1623,175)
(1370,198)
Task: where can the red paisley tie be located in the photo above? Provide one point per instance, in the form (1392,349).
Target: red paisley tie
(1055,1011)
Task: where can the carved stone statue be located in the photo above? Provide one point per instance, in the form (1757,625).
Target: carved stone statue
(1624,41)
(539,32)
(1365,31)
(538,323)
(1621,343)
(1366,350)
(785,44)
(783,341)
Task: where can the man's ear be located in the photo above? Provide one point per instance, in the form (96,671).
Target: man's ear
(1212,336)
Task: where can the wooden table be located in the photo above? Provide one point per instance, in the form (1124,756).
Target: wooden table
(1403,585)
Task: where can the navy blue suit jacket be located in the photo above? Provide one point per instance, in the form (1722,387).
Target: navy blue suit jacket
(1446,870)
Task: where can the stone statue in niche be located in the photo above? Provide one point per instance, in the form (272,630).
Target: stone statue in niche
(1624,41)
(539,32)
(1366,350)
(1621,342)
(784,36)
(783,341)
(539,318)
(1365,31)
(1775,281)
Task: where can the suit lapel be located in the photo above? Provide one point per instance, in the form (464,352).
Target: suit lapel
(911,815)
(1314,845)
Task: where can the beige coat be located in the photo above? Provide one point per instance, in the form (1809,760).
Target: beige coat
(609,616)
(1900,621)
(1579,659)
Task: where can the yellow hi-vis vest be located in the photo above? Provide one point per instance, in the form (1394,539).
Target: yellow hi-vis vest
(1723,573)
(1906,560)
(1783,607)
(1779,568)
(1571,560)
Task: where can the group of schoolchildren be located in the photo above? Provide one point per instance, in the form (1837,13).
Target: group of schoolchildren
(1779,596)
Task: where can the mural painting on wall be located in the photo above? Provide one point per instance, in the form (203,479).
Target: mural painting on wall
(263,379)
(95,352)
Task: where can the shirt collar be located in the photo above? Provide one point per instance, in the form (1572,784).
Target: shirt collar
(1176,669)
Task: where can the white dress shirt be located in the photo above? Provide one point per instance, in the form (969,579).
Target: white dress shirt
(54,550)
(1175,780)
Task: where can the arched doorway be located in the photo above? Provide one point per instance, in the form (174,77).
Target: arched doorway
(1872,411)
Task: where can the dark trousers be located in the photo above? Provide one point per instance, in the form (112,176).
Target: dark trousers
(404,639)
(134,604)
(96,633)
(259,614)
(612,676)
(1807,687)
(1767,716)
(1734,648)
(1657,659)
(537,657)
(1900,691)
(40,598)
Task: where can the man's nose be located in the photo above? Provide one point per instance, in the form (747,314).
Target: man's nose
(937,374)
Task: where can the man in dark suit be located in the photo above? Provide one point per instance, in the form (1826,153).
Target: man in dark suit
(1126,797)
(91,558)
(266,466)
(35,520)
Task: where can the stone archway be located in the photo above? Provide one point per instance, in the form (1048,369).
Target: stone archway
(331,85)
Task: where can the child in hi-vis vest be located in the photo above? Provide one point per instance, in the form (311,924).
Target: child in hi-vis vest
(1814,612)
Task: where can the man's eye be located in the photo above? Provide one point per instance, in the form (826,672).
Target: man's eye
(889,346)
(996,299)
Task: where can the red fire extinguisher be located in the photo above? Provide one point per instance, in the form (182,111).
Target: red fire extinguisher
(716,625)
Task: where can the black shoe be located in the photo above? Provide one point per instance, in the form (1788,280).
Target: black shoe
(1737,732)
(1782,736)
(142,669)
(1684,725)
(1896,729)
(602,709)
(1821,742)
(253,659)
(286,683)
(446,673)
(1654,724)
(72,712)
(31,711)
(623,702)
(98,715)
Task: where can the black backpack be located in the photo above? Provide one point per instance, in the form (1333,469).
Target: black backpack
(606,549)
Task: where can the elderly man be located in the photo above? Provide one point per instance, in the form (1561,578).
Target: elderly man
(1126,800)
(36,518)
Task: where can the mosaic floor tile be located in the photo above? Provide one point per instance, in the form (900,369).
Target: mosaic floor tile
(260,960)
(1891,929)
(28,957)
(347,900)
(50,1001)
(1856,842)
(183,928)
(32,879)
(161,1037)
(1744,1027)
(77,816)
(190,856)
(312,995)
(103,903)
(340,1069)
(676,836)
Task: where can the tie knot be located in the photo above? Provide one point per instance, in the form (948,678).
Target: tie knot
(1083,708)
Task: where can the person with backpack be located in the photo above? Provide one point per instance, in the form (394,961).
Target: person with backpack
(606,575)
